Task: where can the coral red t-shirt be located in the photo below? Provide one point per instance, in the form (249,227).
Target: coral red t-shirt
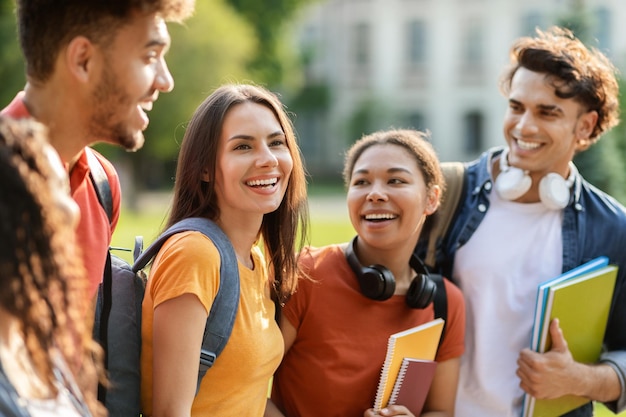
(333,366)
(94,231)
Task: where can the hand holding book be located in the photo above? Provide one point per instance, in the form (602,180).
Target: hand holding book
(580,300)
(413,383)
(420,342)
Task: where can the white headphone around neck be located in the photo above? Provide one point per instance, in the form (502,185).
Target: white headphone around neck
(554,190)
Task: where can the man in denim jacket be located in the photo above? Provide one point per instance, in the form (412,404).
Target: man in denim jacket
(527,216)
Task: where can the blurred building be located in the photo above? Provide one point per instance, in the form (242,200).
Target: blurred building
(428,64)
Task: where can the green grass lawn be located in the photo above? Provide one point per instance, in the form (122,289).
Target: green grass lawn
(329,224)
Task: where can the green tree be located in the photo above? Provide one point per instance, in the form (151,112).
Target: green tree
(604,163)
(11,62)
(268,18)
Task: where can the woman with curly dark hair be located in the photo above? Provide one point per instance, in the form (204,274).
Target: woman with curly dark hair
(47,364)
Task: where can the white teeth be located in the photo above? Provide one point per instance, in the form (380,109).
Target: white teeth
(380,216)
(266,183)
(527,145)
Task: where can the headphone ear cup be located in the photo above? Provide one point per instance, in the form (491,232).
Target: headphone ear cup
(554,191)
(512,183)
(376,282)
(421,291)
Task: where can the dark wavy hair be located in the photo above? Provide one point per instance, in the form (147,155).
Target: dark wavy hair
(43,280)
(45,27)
(575,71)
(193,197)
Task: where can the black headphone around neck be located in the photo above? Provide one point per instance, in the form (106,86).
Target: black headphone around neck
(378,283)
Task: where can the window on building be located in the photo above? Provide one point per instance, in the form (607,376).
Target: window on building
(415,121)
(472,44)
(361,43)
(474,131)
(530,22)
(602,29)
(416,42)
(472,53)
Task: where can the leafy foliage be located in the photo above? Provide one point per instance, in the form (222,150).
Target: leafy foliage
(267,17)
(604,163)
(12,66)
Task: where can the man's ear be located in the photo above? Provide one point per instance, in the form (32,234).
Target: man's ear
(80,58)
(584,128)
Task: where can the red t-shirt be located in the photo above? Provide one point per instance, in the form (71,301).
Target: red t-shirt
(94,231)
(334,364)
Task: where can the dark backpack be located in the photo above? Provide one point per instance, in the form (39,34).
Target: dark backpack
(117,324)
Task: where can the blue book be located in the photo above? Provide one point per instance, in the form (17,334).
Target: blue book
(543,289)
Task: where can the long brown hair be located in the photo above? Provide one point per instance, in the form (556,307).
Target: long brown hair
(193,197)
(43,280)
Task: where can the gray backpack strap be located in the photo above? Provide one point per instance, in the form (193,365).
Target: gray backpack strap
(221,318)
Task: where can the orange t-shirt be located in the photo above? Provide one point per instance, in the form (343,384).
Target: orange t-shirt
(334,364)
(237,383)
(94,232)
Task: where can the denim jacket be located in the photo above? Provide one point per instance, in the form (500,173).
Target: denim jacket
(594,224)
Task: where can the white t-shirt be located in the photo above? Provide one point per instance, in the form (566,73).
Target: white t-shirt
(69,400)
(515,248)
(60,406)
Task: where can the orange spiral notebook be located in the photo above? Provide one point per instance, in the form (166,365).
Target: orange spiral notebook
(420,342)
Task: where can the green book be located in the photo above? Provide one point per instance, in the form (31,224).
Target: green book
(582,305)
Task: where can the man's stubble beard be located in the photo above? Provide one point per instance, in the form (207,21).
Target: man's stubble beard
(108,97)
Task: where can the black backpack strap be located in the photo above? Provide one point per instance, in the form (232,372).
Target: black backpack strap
(102,327)
(440,303)
(100,182)
(102,187)
(224,309)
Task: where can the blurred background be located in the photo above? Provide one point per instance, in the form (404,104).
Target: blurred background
(345,68)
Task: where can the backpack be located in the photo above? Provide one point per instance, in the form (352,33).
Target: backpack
(117,323)
(438,224)
(454,174)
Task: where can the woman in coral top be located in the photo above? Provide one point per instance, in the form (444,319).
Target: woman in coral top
(336,334)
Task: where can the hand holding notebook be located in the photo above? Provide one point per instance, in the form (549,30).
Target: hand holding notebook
(419,342)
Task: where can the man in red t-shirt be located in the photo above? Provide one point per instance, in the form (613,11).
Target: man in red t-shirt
(93,70)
